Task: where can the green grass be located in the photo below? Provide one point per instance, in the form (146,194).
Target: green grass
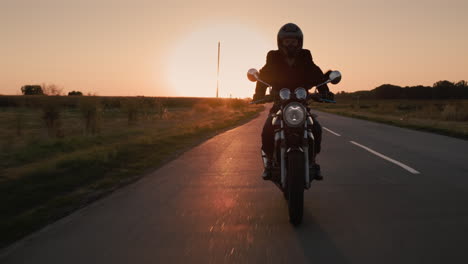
(446,117)
(44,177)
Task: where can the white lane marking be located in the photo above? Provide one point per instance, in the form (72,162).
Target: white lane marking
(408,168)
(334,133)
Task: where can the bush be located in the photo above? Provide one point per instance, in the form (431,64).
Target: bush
(51,117)
(453,112)
(52,89)
(32,90)
(201,108)
(237,104)
(131,107)
(161,110)
(214,102)
(75,93)
(90,110)
(408,107)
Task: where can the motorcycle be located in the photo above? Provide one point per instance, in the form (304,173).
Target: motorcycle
(294,142)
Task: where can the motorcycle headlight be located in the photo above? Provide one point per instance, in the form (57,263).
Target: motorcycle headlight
(285,94)
(300,93)
(294,114)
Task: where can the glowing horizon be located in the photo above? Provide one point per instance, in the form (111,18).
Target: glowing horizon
(157,48)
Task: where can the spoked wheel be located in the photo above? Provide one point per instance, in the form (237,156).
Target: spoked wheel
(295,186)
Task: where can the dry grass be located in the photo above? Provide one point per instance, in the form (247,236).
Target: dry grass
(448,117)
(44,176)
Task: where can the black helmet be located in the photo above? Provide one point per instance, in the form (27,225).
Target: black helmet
(290,30)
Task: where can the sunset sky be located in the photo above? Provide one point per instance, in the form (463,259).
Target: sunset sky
(169,48)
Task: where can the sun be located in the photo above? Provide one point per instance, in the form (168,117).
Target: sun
(192,64)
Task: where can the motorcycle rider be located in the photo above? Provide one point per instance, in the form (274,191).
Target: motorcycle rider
(290,66)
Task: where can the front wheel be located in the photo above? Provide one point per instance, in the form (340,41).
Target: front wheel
(295,186)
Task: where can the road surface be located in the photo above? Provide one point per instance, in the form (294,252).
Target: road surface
(390,195)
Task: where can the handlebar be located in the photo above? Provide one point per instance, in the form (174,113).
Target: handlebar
(316,97)
(312,96)
(334,77)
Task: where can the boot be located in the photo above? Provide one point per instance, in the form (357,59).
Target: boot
(314,172)
(267,165)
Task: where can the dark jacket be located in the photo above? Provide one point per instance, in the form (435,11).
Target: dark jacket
(278,73)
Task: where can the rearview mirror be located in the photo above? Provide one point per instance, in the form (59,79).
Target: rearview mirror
(335,77)
(252,75)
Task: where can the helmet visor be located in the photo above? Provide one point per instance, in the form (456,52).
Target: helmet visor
(290,42)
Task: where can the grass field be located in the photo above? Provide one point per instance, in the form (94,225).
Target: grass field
(447,117)
(58,154)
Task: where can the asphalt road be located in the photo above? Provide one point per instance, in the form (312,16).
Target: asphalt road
(211,206)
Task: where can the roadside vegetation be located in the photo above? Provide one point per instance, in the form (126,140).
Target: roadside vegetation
(59,153)
(446,117)
(441,108)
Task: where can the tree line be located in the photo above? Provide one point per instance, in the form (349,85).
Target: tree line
(50,89)
(439,90)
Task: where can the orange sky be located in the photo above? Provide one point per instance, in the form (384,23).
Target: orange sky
(168,48)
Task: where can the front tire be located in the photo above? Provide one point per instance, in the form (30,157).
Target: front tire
(295,186)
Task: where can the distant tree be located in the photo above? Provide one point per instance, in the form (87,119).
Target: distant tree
(75,93)
(444,83)
(417,92)
(439,90)
(444,90)
(388,91)
(341,95)
(461,90)
(52,89)
(32,90)
(364,94)
(462,83)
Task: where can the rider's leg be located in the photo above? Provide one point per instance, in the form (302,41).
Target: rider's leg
(267,147)
(317,132)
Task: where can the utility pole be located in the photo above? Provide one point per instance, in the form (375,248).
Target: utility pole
(217,77)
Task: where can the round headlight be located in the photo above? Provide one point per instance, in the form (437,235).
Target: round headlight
(285,94)
(294,114)
(300,93)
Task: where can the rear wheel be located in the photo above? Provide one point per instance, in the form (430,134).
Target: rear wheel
(295,188)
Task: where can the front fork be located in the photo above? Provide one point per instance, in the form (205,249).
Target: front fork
(283,156)
(280,137)
(305,148)
(308,135)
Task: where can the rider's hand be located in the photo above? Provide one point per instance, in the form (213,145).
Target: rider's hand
(316,97)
